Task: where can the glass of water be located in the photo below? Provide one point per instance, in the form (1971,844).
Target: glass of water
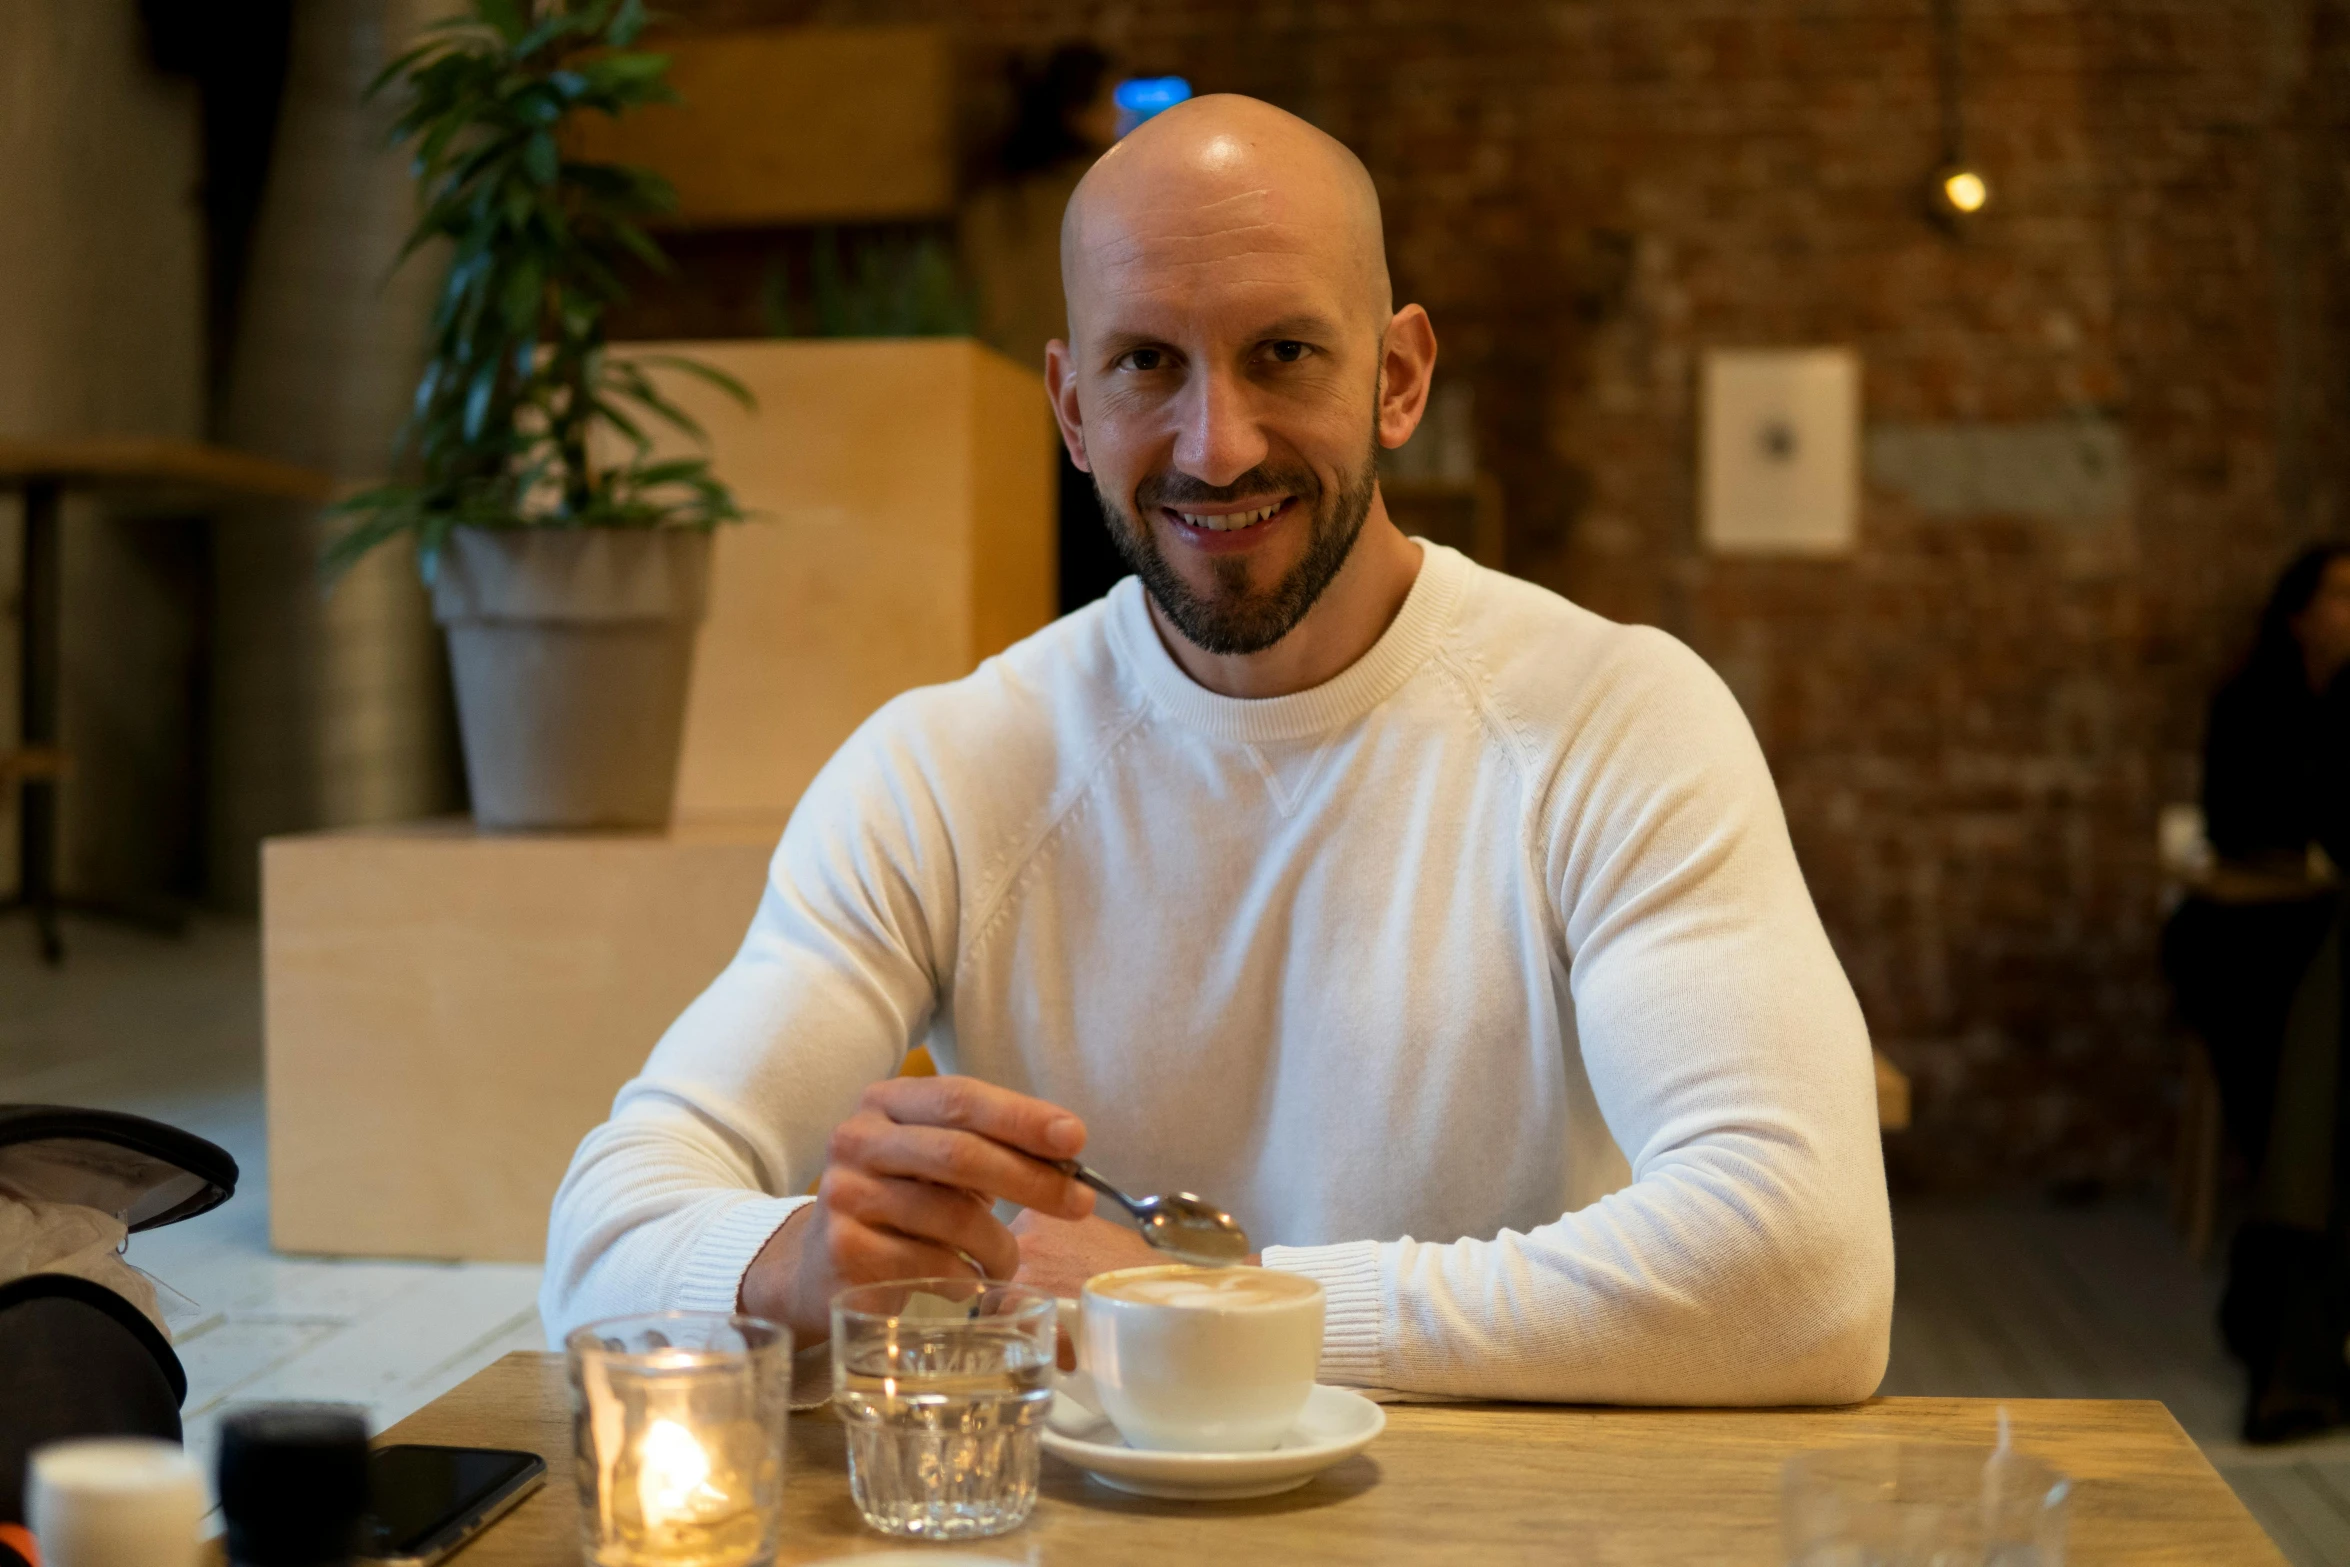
(943,1386)
(1913,1504)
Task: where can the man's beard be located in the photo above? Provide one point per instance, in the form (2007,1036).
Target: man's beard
(1232,618)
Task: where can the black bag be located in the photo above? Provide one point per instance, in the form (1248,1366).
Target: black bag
(143,1172)
(76,1359)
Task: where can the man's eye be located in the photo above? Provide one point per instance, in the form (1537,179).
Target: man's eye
(1289,351)
(1142,359)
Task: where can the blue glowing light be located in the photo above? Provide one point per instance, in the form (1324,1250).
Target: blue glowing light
(1140,97)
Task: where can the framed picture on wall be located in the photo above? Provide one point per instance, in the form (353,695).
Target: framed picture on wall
(1779,451)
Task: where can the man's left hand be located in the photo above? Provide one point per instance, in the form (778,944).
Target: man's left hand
(1059,1255)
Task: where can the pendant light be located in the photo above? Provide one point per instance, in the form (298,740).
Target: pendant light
(1958,191)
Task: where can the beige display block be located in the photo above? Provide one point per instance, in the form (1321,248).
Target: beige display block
(902,493)
(447,1013)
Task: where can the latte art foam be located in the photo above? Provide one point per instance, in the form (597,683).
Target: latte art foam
(1218,1289)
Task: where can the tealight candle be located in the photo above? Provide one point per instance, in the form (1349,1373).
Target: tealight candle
(680,1422)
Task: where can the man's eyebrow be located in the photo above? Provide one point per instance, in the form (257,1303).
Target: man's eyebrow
(1309,326)
(1301,326)
(1112,344)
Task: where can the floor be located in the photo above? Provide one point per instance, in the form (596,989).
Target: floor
(172,1030)
(2016,1301)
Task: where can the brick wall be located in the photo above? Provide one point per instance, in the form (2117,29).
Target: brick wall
(1974,719)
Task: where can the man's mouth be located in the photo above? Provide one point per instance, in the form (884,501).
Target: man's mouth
(1228,521)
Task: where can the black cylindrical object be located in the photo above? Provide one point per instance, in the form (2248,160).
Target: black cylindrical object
(293,1484)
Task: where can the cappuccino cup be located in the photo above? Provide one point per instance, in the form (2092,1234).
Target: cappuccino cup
(1200,1360)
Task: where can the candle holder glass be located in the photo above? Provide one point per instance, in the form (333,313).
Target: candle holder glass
(678,1420)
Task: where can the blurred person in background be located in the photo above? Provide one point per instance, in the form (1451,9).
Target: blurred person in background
(1063,118)
(2253,957)
(1009,234)
(2267,782)
(2239,945)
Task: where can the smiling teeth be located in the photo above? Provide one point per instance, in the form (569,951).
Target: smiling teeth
(1230,520)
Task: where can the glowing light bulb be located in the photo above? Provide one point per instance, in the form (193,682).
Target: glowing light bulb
(1140,97)
(1965,190)
(673,1475)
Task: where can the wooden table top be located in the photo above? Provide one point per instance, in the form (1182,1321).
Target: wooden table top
(140,462)
(1449,1483)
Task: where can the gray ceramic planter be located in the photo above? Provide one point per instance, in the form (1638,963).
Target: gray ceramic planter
(571,649)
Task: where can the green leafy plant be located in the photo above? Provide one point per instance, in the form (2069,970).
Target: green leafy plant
(891,285)
(519,379)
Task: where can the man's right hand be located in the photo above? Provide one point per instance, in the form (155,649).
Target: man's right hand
(909,1191)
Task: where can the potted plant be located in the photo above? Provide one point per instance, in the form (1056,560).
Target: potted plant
(568,564)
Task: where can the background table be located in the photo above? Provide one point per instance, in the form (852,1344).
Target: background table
(1451,1483)
(163,472)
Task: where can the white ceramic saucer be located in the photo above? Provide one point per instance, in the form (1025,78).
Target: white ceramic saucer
(1335,1425)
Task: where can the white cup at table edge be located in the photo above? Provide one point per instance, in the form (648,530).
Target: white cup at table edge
(114,1502)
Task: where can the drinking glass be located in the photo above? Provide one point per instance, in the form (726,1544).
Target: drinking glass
(943,1386)
(678,1421)
(1909,1504)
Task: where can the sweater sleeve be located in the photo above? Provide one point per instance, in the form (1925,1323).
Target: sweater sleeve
(667,1203)
(1750,1259)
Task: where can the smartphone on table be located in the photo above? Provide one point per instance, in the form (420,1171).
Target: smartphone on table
(423,1503)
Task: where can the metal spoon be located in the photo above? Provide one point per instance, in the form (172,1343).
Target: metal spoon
(1181,1225)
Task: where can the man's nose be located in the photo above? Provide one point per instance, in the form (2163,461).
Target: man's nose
(1218,440)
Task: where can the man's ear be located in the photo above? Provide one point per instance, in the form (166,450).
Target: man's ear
(1407,361)
(1060,388)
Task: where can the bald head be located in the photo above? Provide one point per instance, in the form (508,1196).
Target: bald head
(1216,182)
(1233,365)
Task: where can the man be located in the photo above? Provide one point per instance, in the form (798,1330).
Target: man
(1368,893)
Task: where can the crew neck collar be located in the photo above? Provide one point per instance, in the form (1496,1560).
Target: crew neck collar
(1401,649)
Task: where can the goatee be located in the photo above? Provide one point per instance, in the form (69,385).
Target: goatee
(1231,617)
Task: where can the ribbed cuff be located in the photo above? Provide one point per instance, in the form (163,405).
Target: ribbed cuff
(1354,1312)
(713,1276)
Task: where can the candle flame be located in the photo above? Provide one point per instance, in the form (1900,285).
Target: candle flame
(673,1475)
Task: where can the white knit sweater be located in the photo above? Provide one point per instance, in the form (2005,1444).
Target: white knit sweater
(1480,983)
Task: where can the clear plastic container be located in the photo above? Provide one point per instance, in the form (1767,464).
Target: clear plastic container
(1909,1504)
